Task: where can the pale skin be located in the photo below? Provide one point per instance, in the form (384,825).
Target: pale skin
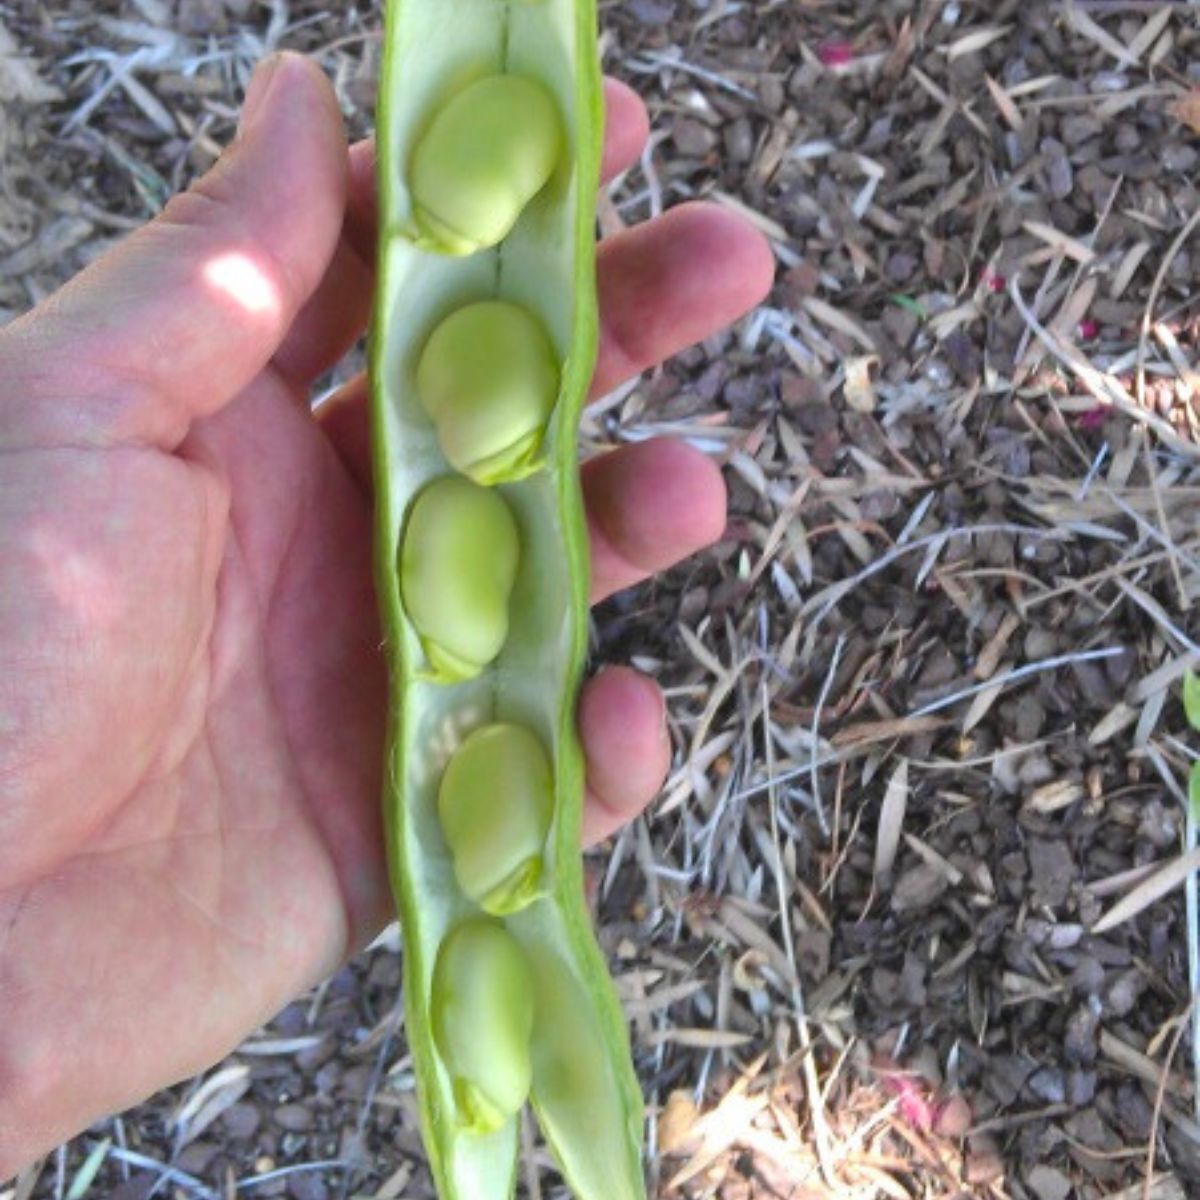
(192,690)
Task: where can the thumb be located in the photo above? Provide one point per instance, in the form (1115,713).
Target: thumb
(177,320)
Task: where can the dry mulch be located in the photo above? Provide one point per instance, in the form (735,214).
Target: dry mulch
(925,691)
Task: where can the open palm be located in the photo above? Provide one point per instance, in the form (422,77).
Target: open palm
(192,692)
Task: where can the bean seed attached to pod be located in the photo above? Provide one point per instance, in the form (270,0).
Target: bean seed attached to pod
(458,562)
(484,157)
(488,377)
(496,803)
(482,1005)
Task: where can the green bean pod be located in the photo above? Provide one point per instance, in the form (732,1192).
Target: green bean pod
(495,803)
(489,146)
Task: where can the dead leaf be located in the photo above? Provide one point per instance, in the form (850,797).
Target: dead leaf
(676,1122)
(20,78)
(1187,109)
(1055,796)
(858,390)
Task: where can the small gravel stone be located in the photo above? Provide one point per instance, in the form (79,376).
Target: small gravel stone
(1180,157)
(197,1157)
(308,1185)
(692,138)
(1048,1183)
(296,1118)
(241,1121)
(1080,128)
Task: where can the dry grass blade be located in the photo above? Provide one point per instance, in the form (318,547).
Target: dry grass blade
(219,1092)
(1116,720)
(1149,33)
(701,1039)
(1158,885)
(1105,387)
(1082,23)
(1162,1187)
(1006,678)
(393,1187)
(1139,1065)
(1060,242)
(933,859)
(1186,232)
(977,40)
(1159,1096)
(1004,104)
(990,655)
(891,820)
(834,318)
(984,698)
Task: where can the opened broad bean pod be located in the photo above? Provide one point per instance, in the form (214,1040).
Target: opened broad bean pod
(484,344)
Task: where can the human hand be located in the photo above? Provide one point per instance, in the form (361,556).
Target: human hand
(192,692)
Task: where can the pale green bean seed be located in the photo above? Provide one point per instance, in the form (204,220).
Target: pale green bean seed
(488,377)
(496,802)
(482,1007)
(485,155)
(458,562)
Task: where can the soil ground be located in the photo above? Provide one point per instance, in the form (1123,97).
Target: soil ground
(924,693)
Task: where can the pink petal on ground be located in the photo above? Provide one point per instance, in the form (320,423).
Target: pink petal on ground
(1094,418)
(911,1102)
(836,54)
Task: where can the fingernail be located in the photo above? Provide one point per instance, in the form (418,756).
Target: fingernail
(259,88)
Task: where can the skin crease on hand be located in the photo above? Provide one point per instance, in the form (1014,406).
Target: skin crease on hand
(191,687)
